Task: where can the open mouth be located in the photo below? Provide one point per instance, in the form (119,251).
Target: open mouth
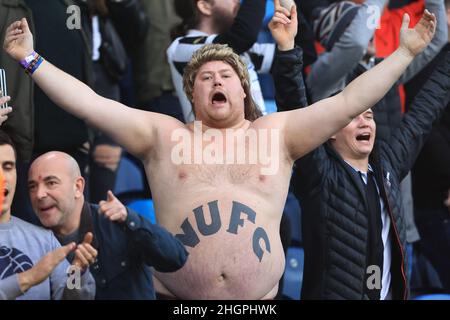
(219,97)
(363,137)
(5,193)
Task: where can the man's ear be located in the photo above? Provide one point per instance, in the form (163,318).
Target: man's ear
(79,187)
(204,7)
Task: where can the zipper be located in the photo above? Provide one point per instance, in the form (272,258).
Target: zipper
(396,235)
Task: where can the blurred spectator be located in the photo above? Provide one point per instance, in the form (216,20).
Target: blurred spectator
(110,25)
(431,181)
(37,125)
(152,79)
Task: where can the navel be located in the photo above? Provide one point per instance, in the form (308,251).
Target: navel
(222,278)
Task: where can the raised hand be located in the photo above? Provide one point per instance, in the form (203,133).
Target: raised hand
(113,209)
(414,41)
(4,111)
(42,270)
(18,40)
(85,254)
(283,26)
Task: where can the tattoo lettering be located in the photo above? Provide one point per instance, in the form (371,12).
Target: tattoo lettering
(215,225)
(258,235)
(190,238)
(236,216)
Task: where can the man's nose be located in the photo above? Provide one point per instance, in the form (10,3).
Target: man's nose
(362,121)
(217,81)
(41,192)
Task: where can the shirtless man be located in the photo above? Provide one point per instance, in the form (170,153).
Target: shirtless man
(226,213)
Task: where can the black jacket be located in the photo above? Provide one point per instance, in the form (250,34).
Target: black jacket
(334,221)
(126,251)
(431,172)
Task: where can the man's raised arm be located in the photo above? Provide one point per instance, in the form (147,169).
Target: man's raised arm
(307,128)
(133,129)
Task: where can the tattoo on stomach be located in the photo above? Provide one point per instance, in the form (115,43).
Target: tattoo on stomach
(190,238)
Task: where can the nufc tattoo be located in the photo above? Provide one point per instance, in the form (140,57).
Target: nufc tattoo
(190,238)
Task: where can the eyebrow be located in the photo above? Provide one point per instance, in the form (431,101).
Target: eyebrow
(220,71)
(46,179)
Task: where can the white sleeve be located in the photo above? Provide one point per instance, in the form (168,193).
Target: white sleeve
(262,55)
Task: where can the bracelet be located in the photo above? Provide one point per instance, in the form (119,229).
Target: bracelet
(27,60)
(31,62)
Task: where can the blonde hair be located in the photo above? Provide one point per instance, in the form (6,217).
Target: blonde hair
(220,52)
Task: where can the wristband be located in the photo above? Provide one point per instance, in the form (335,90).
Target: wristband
(31,62)
(25,63)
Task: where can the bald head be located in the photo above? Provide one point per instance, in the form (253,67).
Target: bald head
(56,190)
(59,159)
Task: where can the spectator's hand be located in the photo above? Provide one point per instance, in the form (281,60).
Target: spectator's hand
(42,270)
(18,40)
(284,29)
(85,254)
(113,209)
(414,41)
(4,111)
(447,201)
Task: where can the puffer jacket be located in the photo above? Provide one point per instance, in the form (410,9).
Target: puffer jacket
(334,206)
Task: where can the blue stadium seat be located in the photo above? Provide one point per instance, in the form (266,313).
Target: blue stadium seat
(293,273)
(293,211)
(144,207)
(271,106)
(436,296)
(129,177)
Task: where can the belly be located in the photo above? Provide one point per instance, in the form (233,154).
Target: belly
(247,265)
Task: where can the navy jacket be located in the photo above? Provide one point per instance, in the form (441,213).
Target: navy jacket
(127,251)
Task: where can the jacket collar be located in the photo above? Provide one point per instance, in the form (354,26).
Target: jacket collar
(374,162)
(86,223)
